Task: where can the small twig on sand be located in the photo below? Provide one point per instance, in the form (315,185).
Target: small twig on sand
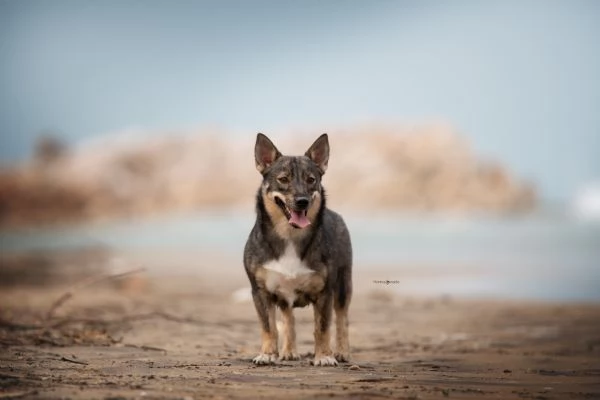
(92,280)
(73,361)
(146,348)
(125,319)
(18,395)
(13,326)
(141,317)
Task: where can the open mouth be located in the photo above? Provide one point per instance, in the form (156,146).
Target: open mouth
(296,218)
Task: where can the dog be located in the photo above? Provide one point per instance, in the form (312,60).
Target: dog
(298,253)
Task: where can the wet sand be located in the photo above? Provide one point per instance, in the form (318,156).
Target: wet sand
(187,337)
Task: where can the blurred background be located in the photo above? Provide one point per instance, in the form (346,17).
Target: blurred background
(465,136)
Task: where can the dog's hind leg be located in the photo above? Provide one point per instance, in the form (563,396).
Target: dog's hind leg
(288,350)
(322,311)
(266,314)
(341,303)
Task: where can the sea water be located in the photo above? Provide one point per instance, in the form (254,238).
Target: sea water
(546,256)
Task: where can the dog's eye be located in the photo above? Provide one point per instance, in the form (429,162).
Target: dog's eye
(284,180)
(310,180)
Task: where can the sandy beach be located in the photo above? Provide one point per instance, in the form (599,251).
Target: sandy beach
(178,336)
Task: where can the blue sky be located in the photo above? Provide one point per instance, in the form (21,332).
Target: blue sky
(518,78)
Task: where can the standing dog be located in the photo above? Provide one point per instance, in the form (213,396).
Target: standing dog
(298,253)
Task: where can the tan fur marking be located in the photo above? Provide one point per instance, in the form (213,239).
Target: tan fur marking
(316,283)
(313,211)
(260,275)
(288,351)
(342,345)
(322,338)
(322,344)
(269,338)
(310,284)
(280,222)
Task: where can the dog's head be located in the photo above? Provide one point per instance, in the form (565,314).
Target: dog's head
(291,186)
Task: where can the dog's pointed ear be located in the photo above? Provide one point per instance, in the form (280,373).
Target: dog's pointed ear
(265,153)
(319,152)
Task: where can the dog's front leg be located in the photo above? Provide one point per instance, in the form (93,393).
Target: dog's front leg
(288,350)
(266,314)
(323,310)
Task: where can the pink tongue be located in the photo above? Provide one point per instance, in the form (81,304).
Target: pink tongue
(299,219)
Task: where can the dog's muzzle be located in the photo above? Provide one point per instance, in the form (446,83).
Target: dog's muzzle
(296,215)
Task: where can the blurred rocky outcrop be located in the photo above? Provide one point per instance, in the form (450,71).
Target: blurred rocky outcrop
(417,169)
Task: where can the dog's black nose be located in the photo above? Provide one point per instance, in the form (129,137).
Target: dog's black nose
(301,203)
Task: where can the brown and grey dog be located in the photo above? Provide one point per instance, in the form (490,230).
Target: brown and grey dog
(298,253)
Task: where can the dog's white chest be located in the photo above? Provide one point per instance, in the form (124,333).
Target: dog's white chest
(287,275)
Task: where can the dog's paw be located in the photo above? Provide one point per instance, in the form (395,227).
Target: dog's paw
(342,357)
(324,361)
(289,356)
(265,359)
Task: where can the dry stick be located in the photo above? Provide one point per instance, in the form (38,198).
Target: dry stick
(73,361)
(17,395)
(84,283)
(132,318)
(13,326)
(143,347)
